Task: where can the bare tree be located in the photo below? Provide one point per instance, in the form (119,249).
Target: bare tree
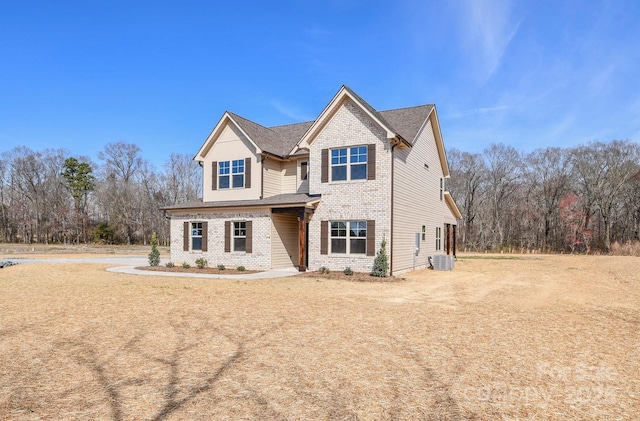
(601,171)
(504,167)
(468,172)
(547,173)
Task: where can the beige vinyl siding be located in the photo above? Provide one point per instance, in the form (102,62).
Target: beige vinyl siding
(289,177)
(417,201)
(231,145)
(284,240)
(271,173)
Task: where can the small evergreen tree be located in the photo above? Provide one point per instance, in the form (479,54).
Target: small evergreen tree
(154,256)
(381,262)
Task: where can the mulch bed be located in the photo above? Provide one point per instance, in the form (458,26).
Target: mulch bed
(212,271)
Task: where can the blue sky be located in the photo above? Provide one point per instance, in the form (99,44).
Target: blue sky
(81,74)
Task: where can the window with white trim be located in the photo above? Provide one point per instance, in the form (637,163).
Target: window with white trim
(441,188)
(348,237)
(237,170)
(196,236)
(349,163)
(438,238)
(239,236)
(231,174)
(223,174)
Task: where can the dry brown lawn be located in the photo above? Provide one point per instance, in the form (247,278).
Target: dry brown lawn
(532,338)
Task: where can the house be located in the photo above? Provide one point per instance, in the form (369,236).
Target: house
(321,193)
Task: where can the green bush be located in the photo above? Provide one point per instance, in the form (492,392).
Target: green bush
(154,255)
(170,265)
(186,265)
(202,263)
(381,262)
(324,270)
(221,267)
(347,271)
(240,268)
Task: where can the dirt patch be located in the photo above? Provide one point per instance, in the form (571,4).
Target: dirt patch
(355,277)
(544,338)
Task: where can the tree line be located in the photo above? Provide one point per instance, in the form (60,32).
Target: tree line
(580,199)
(52,197)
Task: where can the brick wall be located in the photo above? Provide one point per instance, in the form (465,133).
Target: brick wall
(350,200)
(260,258)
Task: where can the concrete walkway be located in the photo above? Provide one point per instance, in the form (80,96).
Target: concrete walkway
(131,262)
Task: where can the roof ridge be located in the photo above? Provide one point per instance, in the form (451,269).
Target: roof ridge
(406,108)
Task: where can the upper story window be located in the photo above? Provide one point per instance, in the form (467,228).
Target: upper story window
(223,174)
(304,170)
(231,174)
(441,188)
(349,163)
(238,172)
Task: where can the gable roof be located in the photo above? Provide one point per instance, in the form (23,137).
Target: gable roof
(401,124)
(408,121)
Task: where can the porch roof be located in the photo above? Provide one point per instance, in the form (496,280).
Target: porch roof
(277,201)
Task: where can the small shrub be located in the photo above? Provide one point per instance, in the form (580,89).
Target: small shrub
(381,262)
(221,267)
(154,255)
(347,271)
(202,263)
(240,268)
(186,265)
(170,265)
(324,270)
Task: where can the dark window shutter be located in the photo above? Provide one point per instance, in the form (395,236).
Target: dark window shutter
(324,237)
(304,166)
(249,233)
(185,238)
(371,162)
(205,235)
(247,173)
(324,166)
(227,236)
(371,237)
(214,175)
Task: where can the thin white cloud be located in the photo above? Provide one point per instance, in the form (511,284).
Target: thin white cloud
(290,112)
(480,110)
(488,29)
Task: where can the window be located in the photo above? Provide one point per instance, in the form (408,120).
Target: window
(238,173)
(424,232)
(339,164)
(353,168)
(441,188)
(358,161)
(223,175)
(231,174)
(438,238)
(196,236)
(349,237)
(239,236)
(304,170)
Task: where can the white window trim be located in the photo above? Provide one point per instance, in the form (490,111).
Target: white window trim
(192,236)
(234,236)
(230,174)
(347,238)
(348,164)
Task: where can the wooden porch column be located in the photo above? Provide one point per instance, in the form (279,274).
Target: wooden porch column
(302,267)
(448,234)
(454,240)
